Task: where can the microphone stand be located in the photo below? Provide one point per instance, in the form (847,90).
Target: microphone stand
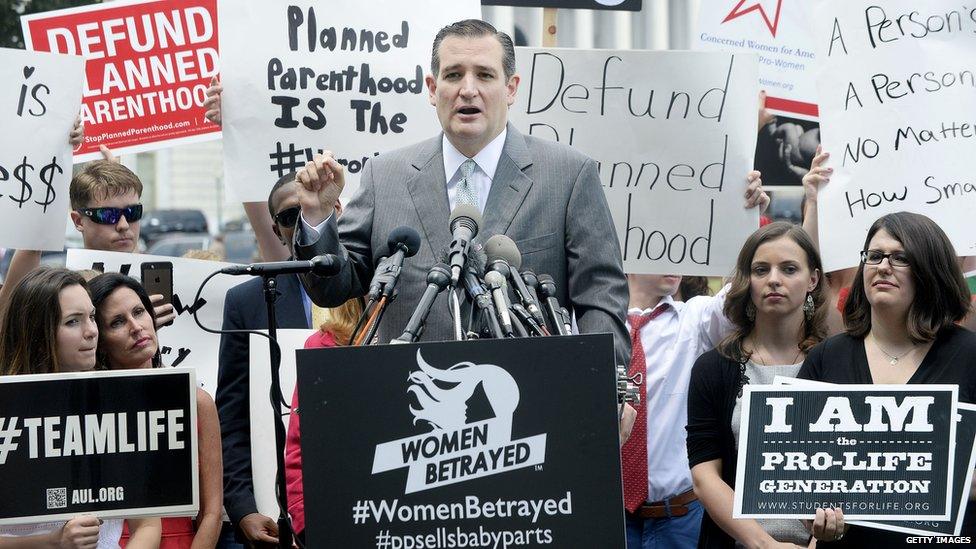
(456,314)
(284,525)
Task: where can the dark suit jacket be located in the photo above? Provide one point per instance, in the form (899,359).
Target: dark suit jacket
(545,196)
(244,309)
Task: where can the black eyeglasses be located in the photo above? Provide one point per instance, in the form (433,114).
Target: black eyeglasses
(875,257)
(288,217)
(111,216)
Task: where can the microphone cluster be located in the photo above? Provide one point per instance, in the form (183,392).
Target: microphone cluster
(506,300)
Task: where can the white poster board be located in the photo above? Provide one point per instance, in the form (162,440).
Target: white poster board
(896,82)
(40,94)
(345,76)
(182,343)
(674,134)
(779,33)
(263,459)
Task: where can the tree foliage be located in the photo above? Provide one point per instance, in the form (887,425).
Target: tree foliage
(11,10)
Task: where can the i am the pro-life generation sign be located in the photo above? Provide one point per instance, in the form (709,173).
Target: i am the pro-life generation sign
(109,444)
(498,443)
(877,453)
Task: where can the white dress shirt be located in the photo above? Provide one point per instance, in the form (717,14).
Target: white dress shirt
(486,161)
(672,342)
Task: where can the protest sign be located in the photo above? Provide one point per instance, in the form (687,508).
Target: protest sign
(875,452)
(40,94)
(182,343)
(779,34)
(673,151)
(109,444)
(264,462)
(962,476)
(473,443)
(964,462)
(621,5)
(148,67)
(346,77)
(895,83)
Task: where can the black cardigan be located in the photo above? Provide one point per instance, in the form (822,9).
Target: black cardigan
(950,360)
(715,383)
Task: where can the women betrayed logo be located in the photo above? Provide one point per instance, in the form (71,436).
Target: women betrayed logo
(456,450)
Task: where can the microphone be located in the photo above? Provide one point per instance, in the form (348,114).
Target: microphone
(402,242)
(479,295)
(321,265)
(532,284)
(465,220)
(438,279)
(504,257)
(548,288)
(496,283)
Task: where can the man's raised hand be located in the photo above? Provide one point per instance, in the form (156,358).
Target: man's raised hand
(320,183)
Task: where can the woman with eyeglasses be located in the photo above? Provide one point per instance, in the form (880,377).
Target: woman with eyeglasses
(127,340)
(901,326)
(60,335)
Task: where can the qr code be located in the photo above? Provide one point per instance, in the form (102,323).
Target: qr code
(57,498)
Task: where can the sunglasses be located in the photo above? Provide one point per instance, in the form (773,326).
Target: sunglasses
(111,216)
(288,217)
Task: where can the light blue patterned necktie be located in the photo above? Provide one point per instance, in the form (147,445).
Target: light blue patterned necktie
(466,191)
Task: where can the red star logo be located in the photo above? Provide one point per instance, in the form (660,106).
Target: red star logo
(738,11)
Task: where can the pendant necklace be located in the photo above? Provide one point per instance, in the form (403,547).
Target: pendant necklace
(892,359)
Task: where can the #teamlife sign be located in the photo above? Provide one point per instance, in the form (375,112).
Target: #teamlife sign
(674,136)
(39,98)
(345,76)
(109,444)
(149,64)
(877,453)
(488,443)
(896,84)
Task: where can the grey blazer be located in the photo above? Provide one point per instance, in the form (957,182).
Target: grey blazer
(545,196)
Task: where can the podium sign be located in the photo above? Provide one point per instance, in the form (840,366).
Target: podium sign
(110,444)
(478,443)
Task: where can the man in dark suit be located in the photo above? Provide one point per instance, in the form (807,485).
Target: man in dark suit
(546,196)
(245,309)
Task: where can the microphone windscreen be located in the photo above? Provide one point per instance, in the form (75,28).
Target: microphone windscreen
(503,247)
(468,215)
(407,236)
(494,279)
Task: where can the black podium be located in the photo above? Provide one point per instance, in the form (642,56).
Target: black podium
(476,443)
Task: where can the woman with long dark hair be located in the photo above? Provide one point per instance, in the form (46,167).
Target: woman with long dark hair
(48,327)
(901,326)
(776,304)
(127,340)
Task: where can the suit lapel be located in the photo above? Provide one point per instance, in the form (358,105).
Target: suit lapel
(509,186)
(428,190)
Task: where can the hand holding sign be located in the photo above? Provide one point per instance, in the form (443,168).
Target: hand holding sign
(320,183)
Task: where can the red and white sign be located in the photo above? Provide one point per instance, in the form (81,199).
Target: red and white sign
(148,67)
(780,34)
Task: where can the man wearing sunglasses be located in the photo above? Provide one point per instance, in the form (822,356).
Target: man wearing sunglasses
(244,309)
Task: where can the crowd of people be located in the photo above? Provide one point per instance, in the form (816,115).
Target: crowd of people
(901,317)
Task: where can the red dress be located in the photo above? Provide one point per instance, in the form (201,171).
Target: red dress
(293,449)
(177,533)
